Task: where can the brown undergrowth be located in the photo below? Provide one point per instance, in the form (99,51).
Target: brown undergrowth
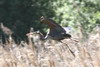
(50,53)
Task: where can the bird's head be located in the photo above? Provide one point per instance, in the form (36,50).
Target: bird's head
(43,19)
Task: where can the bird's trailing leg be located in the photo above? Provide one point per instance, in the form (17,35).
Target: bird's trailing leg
(69,48)
(75,40)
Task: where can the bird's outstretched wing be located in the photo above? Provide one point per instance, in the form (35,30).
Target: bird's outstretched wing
(56,31)
(52,24)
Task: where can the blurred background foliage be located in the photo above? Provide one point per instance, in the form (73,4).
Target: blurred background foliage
(19,15)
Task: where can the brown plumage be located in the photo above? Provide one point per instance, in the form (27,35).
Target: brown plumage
(56,32)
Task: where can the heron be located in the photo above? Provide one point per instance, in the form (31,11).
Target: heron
(56,31)
(7,32)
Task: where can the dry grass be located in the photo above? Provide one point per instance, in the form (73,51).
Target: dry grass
(50,53)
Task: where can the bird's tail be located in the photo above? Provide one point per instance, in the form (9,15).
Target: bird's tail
(67,35)
(69,48)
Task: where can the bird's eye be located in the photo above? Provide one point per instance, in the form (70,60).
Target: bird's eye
(42,17)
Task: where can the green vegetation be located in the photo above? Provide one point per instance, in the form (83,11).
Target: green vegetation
(83,16)
(20,15)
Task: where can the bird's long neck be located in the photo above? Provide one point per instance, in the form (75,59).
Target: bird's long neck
(2,26)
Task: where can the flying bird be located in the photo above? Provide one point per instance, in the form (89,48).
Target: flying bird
(56,31)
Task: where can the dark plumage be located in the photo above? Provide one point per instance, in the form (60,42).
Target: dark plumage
(56,32)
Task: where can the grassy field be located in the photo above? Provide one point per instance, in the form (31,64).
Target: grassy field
(50,53)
